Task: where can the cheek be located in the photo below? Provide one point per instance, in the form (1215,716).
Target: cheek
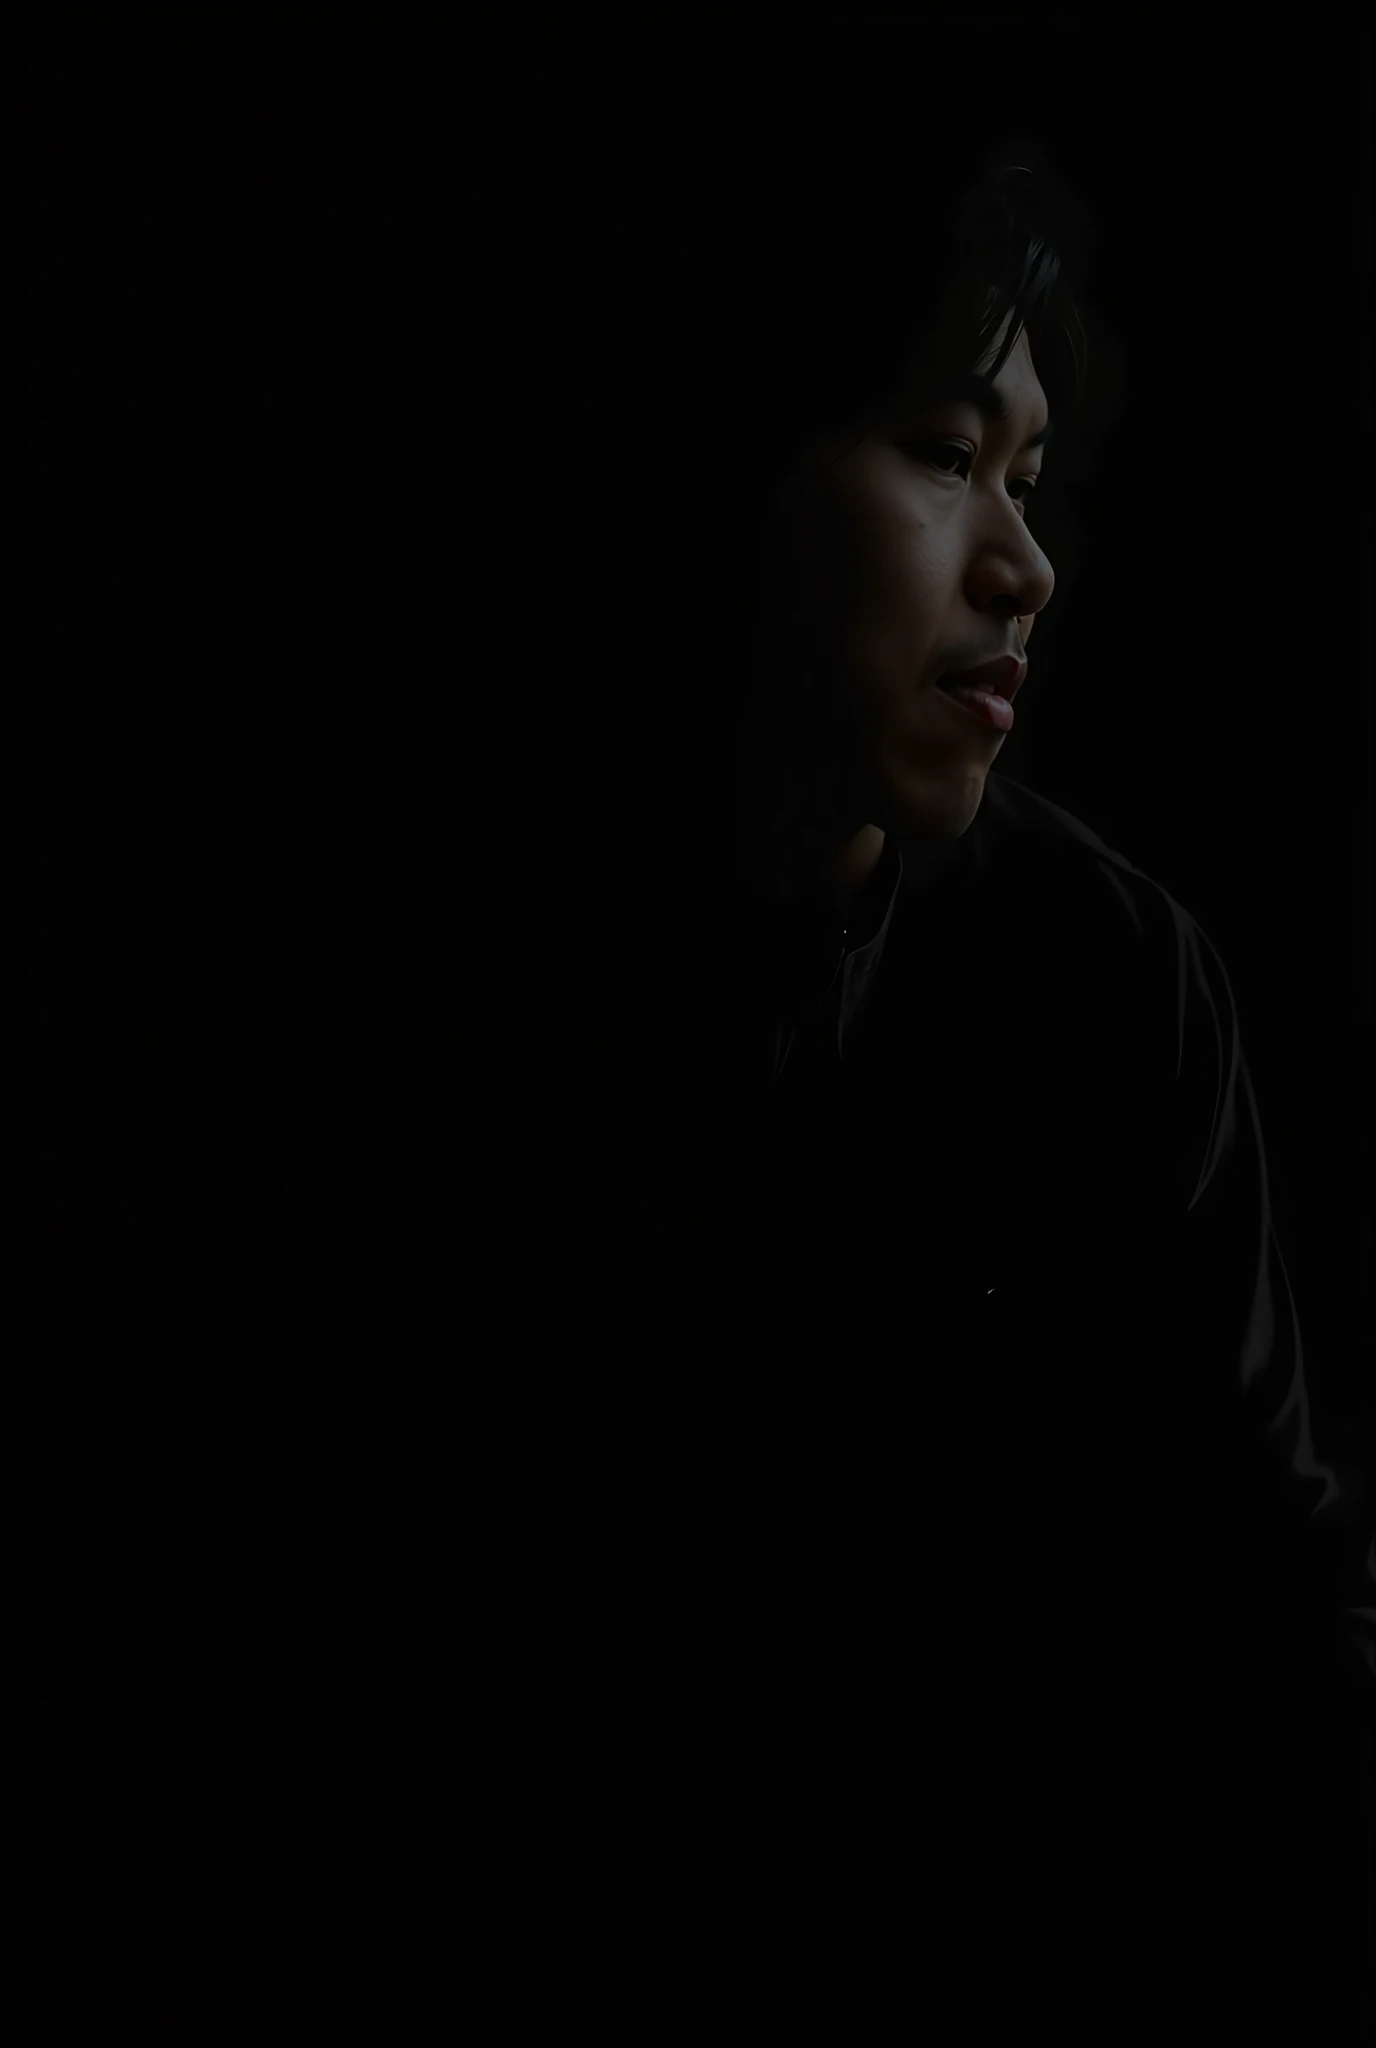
(911,566)
(899,603)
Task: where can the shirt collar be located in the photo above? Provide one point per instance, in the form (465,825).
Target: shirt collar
(806,952)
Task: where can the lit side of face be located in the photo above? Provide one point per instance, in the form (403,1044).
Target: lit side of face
(915,559)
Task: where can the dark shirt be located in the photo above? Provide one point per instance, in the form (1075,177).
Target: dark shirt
(1006,1090)
(785,1483)
(990,1478)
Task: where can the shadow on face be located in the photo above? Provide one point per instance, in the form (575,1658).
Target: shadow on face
(906,556)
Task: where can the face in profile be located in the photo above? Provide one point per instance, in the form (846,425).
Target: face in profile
(913,559)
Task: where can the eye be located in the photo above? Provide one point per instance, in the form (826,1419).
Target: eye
(940,453)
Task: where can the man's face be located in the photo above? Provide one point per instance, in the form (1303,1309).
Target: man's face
(916,560)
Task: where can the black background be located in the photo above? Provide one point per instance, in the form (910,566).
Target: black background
(317,825)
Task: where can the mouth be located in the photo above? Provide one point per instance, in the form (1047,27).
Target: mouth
(1002,678)
(987,706)
(986,691)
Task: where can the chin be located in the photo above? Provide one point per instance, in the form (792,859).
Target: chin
(935,805)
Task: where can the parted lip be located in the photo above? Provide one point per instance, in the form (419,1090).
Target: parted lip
(1003,676)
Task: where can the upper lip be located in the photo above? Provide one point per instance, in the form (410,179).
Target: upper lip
(1003,676)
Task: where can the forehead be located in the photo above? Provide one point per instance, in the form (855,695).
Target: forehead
(1017,380)
(930,375)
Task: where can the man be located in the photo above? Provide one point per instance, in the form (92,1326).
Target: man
(822,1520)
(996,1597)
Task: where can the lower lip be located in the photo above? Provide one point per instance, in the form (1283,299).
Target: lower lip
(983,705)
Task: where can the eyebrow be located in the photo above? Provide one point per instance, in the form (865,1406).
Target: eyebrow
(979,391)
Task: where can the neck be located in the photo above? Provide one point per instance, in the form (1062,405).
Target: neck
(821,880)
(853,863)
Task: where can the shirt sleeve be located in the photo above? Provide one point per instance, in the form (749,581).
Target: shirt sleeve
(1243,1310)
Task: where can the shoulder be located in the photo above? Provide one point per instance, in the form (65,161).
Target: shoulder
(1103,979)
(1016,818)
(1031,875)
(1122,958)
(1073,884)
